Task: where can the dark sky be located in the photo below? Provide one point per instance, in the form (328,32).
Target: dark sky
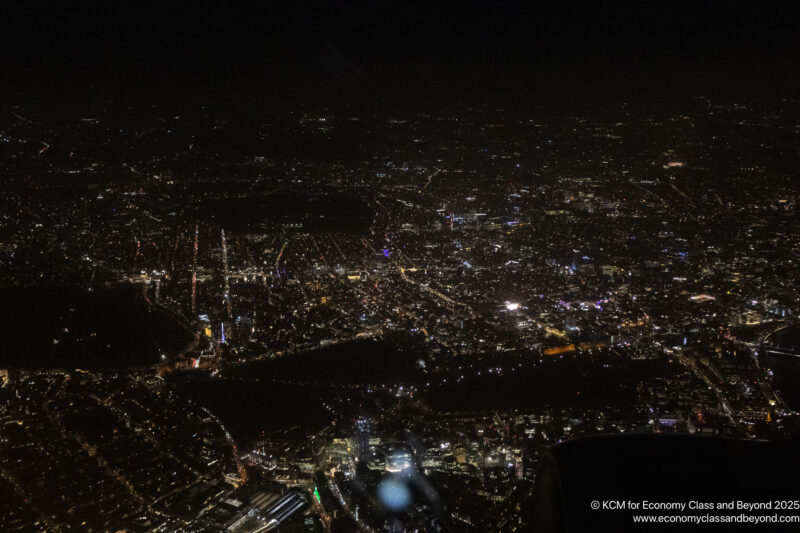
(373,47)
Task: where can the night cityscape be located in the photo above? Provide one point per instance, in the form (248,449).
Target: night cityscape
(371,268)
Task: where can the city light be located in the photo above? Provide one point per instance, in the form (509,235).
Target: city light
(265,268)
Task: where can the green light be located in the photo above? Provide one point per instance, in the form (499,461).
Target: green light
(316,495)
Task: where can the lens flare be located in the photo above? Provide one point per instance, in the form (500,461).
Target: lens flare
(394,495)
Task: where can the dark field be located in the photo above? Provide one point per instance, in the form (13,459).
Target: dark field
(325,212)
(75,328)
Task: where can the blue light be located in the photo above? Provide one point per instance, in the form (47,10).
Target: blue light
(394,495)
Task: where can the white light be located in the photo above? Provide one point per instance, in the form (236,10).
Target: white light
(512,306)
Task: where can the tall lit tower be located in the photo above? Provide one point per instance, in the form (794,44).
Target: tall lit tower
(194,270)
(362,440)
(448,219)
(225,270)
